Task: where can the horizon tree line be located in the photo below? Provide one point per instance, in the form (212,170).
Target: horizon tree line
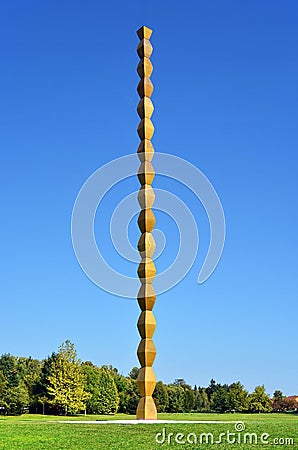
(63,384)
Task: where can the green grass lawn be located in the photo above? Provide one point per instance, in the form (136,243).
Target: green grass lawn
(37,432)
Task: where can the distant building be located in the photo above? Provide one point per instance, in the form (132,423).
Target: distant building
(285,404)
(293,398)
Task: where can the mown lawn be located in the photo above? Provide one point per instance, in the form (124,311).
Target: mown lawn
(37,432)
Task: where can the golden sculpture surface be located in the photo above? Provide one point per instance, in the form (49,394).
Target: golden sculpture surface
(146,271)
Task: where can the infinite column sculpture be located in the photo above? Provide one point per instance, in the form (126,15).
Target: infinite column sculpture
(146,271)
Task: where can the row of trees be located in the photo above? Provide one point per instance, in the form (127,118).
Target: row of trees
(62,384)
(180,397)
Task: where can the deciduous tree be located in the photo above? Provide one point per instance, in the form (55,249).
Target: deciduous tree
(176,398)
(134,373)
(238,397)
(66,380)
(201,400)
(104,397)
(259,401)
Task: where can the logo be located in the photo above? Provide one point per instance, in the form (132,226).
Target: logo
(105,178)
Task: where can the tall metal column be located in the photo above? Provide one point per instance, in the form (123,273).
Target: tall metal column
(146,221)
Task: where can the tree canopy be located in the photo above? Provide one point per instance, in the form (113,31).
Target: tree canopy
(66,379)
(62,384)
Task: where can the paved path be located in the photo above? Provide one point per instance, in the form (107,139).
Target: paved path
(146,422)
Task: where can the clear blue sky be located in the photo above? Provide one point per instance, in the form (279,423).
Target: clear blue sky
(225,76)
